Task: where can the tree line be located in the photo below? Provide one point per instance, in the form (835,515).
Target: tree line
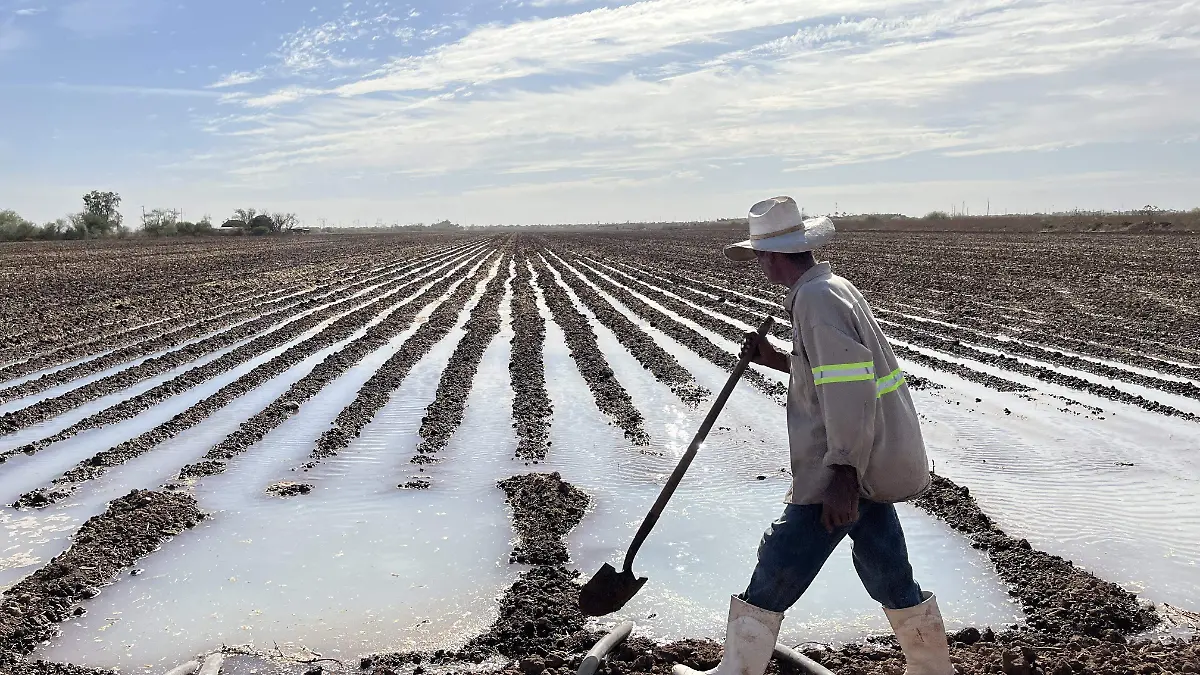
(101,218)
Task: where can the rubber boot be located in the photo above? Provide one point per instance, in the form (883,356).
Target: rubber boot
(749,641)
(922,635)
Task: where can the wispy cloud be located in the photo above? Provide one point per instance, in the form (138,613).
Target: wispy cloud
(30,11)
(911,78)
(236,79)
(125,90)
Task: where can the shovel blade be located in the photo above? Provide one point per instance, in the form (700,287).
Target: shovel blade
(608,591)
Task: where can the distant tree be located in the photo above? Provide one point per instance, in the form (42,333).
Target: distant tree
(56,229)
(936,215)
(15,228)
(1150,212)
(160,223)
(100,214)
(260,230)
(263,221)
(244,215)
(284,222)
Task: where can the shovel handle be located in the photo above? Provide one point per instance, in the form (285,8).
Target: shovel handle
(686,460)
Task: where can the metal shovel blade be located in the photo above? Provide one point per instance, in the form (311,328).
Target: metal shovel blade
(608,591)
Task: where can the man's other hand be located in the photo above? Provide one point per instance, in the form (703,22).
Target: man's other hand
(839,504)
(761,351)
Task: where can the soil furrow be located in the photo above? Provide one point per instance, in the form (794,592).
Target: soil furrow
(783,331)
(120,334)
(52,407)
(611,397)
(957,348)
(682,333)
(287,404)
(131,527)
(717,294)
(146,345)
(292,330)
(377,391)
(79,300)
(969,374)
(129,336)
(1057,596)
(539,619)
(655,359)
(445,413)
(261,316)
(99,463)
(1187,389)
(723,305)
(526,367)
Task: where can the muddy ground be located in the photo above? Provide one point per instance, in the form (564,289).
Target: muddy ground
(104,547)
(1075,622)
(73,299)
(526,366)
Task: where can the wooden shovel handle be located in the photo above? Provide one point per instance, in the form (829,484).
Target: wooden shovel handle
(686,460)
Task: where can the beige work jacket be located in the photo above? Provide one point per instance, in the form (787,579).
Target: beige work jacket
(848,402)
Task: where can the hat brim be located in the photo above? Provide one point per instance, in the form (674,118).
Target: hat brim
(816,233)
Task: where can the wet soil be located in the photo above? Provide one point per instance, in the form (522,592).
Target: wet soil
(721,306)
(445,412)
(1047,354)
(955,346)
(288,488)
(253,429)
(526,367)
(1123,298)
(289,403)
(329,302)
(539,614)
(545,509)
(679,332)
(71,300)
(354,312)
(1058,597)
(378,390)
(131,527)
(655,359)
(610,396)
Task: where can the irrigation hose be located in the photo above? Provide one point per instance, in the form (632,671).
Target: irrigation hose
(595,656)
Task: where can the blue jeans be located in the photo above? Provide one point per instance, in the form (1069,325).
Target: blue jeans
(797,545)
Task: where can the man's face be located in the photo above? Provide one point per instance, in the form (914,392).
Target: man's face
(772,266)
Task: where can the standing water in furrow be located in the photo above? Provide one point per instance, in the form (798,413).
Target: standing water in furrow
(338,331)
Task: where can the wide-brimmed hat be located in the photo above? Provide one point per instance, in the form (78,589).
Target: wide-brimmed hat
(776,225)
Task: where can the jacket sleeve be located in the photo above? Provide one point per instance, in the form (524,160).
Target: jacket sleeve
(844,374)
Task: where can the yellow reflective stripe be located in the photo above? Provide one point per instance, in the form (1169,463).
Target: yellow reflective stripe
(844,366)
(867,377)
(886,385)
(844,372)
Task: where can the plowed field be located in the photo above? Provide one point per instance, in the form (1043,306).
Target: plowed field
(399,454)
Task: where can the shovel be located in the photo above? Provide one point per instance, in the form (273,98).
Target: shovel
(609,590)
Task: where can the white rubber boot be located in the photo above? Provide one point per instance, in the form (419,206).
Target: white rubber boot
(922,636)
(749,641)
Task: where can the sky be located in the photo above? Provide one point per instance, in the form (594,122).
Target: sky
(551,111)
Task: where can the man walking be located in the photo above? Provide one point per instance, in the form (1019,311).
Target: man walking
(856,449)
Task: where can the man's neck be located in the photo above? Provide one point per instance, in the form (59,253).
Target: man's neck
(798,270)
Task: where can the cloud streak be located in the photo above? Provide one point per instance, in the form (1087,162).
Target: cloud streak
(913,78)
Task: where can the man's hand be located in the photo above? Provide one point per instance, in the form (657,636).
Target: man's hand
(763,353)
(839,504)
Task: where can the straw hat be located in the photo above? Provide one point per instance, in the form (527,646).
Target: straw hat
(776,225)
